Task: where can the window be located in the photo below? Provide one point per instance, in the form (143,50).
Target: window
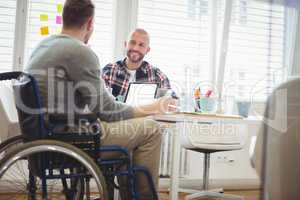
(44,19)
(196,8)
(7,32)
(101,40)
(183,33)
(41,22)
(255,61)
(180,42)
(179,39)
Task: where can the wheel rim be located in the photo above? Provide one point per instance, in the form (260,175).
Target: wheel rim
(10,144)
(18,160)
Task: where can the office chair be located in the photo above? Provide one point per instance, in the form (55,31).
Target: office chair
(211,143)
(277,149)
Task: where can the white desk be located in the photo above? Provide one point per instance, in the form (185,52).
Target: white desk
(179,119)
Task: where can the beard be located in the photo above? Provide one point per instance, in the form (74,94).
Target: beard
(133,57)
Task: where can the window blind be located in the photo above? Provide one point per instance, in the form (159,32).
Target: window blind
(101,40)
(180,43)
(179,39)
(255,61)
(47,13)
(7,32)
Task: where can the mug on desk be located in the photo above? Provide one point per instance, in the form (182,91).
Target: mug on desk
(243,108)
(207,104)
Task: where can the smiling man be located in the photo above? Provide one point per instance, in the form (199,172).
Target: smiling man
(133,68)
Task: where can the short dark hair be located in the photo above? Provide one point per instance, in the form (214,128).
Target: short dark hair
(77,12)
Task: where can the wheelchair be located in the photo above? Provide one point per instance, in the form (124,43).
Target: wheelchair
(43,163)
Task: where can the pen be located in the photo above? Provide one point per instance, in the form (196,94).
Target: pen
(208,93)
(172,106)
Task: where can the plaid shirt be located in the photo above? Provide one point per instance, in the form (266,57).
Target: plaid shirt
(117,77)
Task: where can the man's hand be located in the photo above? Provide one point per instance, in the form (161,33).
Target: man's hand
(166,104)
(160,106)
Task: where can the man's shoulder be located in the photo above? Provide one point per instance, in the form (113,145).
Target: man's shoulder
(109,66)
(150,66)
(72,45)
(155,70)
(63,40)
(113,66)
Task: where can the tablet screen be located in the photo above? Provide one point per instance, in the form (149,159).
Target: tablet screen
(139,94)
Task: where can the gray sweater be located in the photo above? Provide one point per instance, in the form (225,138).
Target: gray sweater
(68,76)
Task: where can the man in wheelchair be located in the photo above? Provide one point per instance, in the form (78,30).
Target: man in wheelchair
(68,76)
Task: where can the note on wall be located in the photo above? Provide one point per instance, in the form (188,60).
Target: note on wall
(43,17)
(59,8)
(44,30)
(58,19)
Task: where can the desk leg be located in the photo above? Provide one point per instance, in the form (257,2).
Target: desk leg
(174,181)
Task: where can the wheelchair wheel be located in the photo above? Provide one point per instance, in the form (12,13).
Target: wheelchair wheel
(18,182)
(9,144)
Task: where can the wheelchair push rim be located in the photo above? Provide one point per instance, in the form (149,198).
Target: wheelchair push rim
(40,146)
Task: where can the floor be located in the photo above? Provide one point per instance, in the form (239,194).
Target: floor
(248,195)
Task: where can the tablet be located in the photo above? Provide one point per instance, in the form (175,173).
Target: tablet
(139,94)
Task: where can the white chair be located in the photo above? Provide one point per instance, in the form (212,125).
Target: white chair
(9,125)
(208,138)
(276,156)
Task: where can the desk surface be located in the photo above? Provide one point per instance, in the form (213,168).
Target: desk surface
(192,116)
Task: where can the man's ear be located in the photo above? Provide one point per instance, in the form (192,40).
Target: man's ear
(90,23)
(148,49)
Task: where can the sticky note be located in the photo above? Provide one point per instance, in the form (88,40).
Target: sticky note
(58,19)
(59,8)
(44,30)
(43,17)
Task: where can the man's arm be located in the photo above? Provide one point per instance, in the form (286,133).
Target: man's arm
(106,74)
(163,79)
(160,106)
(84,70)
